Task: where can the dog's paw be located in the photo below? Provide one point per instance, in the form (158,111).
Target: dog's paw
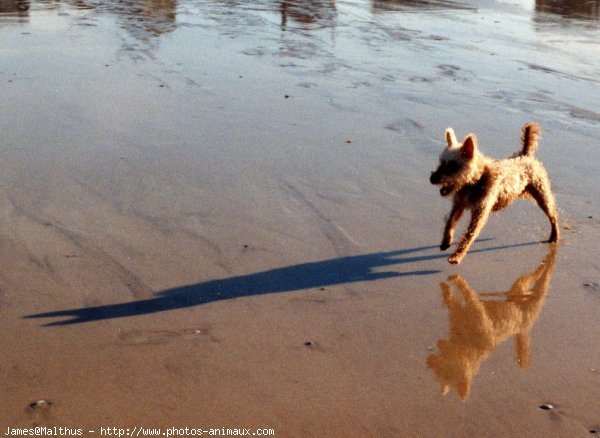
(446,241)
(455,259)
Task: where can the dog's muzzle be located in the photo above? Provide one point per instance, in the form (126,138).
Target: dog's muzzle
(446,190)
(437,179)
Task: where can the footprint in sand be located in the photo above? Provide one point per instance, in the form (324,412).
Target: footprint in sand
(40,410)
(39,405)
(556,414)
(314,346)
(150,337)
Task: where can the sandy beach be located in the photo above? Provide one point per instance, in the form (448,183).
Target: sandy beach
(217,215)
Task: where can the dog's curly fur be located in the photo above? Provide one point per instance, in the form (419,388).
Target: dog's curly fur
(482,185)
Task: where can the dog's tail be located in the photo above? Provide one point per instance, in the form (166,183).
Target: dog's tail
(531,133)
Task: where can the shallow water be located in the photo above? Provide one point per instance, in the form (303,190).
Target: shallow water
(207,198)
(211,78)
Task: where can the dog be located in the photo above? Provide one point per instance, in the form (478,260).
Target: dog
(482,185)
(480,321)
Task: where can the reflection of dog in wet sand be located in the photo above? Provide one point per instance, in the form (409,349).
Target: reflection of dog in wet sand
(479,323)
(482,185)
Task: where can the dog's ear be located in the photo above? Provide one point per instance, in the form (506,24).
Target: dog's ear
(450,137)
(469,146)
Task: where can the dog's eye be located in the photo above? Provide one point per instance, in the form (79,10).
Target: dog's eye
(452,166)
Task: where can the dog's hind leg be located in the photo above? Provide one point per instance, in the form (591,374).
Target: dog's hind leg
(543,196)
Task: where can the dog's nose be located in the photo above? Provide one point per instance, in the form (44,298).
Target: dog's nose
(434,178)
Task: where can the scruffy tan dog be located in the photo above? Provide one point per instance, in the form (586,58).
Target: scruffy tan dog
(482,185)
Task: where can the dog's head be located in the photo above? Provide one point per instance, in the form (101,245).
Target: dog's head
(456,163)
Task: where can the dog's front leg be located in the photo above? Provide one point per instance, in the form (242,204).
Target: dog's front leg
(479,217)
(455,214)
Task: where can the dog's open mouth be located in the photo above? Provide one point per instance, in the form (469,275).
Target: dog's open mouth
(446,190)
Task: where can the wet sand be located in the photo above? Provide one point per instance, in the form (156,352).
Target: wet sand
(216,214)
